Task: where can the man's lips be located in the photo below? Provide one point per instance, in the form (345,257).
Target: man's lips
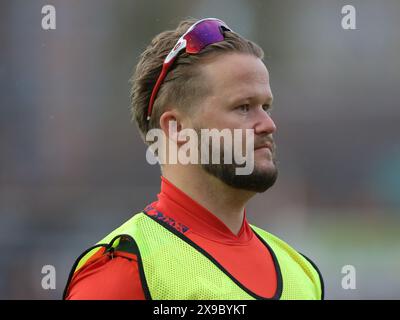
(268,145)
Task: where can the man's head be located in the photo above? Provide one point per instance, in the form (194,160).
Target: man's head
(224,86)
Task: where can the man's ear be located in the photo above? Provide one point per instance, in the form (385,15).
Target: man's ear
(171,124)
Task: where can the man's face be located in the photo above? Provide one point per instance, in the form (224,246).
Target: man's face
(240,98)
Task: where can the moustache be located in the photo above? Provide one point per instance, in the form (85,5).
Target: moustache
(265,143)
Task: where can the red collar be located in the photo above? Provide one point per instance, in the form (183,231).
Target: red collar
(177,206)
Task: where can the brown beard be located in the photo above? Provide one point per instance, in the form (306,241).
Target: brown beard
(258,181)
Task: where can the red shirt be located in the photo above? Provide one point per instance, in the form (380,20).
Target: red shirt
(244,256)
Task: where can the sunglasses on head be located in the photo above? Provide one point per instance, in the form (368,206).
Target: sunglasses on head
(201,34)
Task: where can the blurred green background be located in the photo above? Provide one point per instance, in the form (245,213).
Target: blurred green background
(73,167)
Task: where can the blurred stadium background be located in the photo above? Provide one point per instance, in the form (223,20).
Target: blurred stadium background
(73,167)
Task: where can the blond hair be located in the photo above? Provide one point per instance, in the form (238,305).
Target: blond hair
(183,86)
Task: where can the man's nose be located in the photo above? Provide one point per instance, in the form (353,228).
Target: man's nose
(264,123)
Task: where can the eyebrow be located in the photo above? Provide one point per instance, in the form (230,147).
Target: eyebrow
(268,101)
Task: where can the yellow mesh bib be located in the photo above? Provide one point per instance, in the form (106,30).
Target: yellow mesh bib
(172,267)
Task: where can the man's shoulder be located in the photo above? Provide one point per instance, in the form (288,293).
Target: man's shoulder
(108,277)
(277,243)
(289,254)
(270,237)
(114,258)
(110,273)
(127,228)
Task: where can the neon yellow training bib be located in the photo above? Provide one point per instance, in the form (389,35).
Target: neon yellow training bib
(172,267)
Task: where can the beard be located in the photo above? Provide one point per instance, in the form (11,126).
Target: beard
(259,180)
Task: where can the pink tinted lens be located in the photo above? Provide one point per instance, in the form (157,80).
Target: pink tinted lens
(204,34)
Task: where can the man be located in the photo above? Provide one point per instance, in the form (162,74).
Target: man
(194,242)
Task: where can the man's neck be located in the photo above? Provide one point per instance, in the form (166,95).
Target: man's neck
(225,202)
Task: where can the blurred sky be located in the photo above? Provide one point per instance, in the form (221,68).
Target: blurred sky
(73,167)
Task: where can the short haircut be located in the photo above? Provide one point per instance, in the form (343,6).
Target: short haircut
(183,86)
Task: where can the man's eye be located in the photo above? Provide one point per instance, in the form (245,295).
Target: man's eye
(267,108)
(244,108)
